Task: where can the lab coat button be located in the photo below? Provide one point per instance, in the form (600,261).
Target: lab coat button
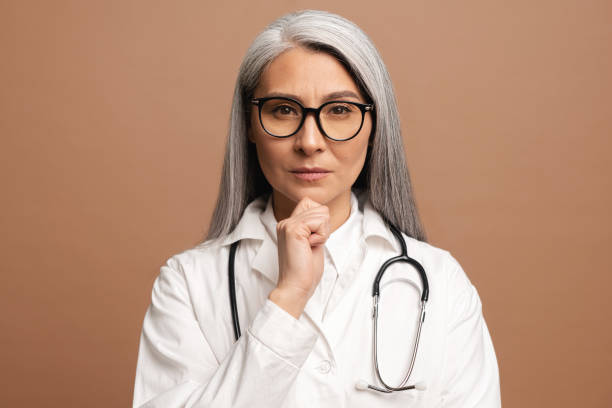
(324,367)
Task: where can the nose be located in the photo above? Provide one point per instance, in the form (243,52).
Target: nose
(309,138)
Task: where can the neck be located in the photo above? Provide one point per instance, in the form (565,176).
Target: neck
(339,208)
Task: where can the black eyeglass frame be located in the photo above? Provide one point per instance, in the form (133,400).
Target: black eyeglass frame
(363,107)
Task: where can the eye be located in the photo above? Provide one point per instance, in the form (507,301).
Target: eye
(339,109)
(284,110)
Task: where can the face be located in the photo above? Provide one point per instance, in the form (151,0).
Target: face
(312,78)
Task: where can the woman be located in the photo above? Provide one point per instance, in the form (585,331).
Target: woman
(313,181)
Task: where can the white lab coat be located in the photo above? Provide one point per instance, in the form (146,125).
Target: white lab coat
(188,357)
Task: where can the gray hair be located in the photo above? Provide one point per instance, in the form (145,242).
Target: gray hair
(384,177)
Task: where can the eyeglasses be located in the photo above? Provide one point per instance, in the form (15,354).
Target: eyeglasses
(337,120)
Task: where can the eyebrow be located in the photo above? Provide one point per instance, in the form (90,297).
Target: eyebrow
(328,97)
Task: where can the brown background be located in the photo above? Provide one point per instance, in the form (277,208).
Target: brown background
(113,118)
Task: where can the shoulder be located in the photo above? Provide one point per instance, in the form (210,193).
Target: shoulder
(440,266)
(198,257)
(184,272)
(214,253)
(452,296)
(206,264)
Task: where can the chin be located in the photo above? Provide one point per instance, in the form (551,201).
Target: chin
(315,194)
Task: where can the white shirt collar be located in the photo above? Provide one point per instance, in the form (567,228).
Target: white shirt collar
(349,233)
(258,223)
(337,241)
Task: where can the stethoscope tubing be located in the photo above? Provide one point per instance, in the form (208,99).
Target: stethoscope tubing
(232,290)
(403,257)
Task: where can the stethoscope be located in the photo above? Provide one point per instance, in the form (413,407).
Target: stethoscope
(403,257)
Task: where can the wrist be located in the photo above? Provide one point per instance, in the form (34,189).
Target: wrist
(291,300)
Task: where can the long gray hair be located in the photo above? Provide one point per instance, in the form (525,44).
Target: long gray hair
(384,176)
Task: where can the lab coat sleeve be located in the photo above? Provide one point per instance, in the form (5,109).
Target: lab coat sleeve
(471,375)
(177,368)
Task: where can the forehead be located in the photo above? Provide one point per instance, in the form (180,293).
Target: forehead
(305,73)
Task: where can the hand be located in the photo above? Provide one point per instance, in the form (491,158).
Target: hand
(300,255)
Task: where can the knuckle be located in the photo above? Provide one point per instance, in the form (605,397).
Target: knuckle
(305,200)
(288,227)
(281,225)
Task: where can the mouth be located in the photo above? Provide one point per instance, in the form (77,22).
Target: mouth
(310,173)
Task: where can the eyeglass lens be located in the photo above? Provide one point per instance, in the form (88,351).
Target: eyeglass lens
(339,120)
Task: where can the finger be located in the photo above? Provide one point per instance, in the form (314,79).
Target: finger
(317,239)
(319,227)
(312,222)
(303,205)
(305,226)
(316,213)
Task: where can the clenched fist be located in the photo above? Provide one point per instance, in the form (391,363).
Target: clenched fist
(300,255)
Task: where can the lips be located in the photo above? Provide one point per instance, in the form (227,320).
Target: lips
(310,173)
(310,170)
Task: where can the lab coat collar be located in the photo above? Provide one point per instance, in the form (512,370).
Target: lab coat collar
(249,226)
(374,225)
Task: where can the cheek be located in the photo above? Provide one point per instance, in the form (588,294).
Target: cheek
(264,155)
(353,159)
(270,152)
(270,157)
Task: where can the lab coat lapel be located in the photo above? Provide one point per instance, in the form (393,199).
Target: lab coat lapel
(266,260)
(313,310)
